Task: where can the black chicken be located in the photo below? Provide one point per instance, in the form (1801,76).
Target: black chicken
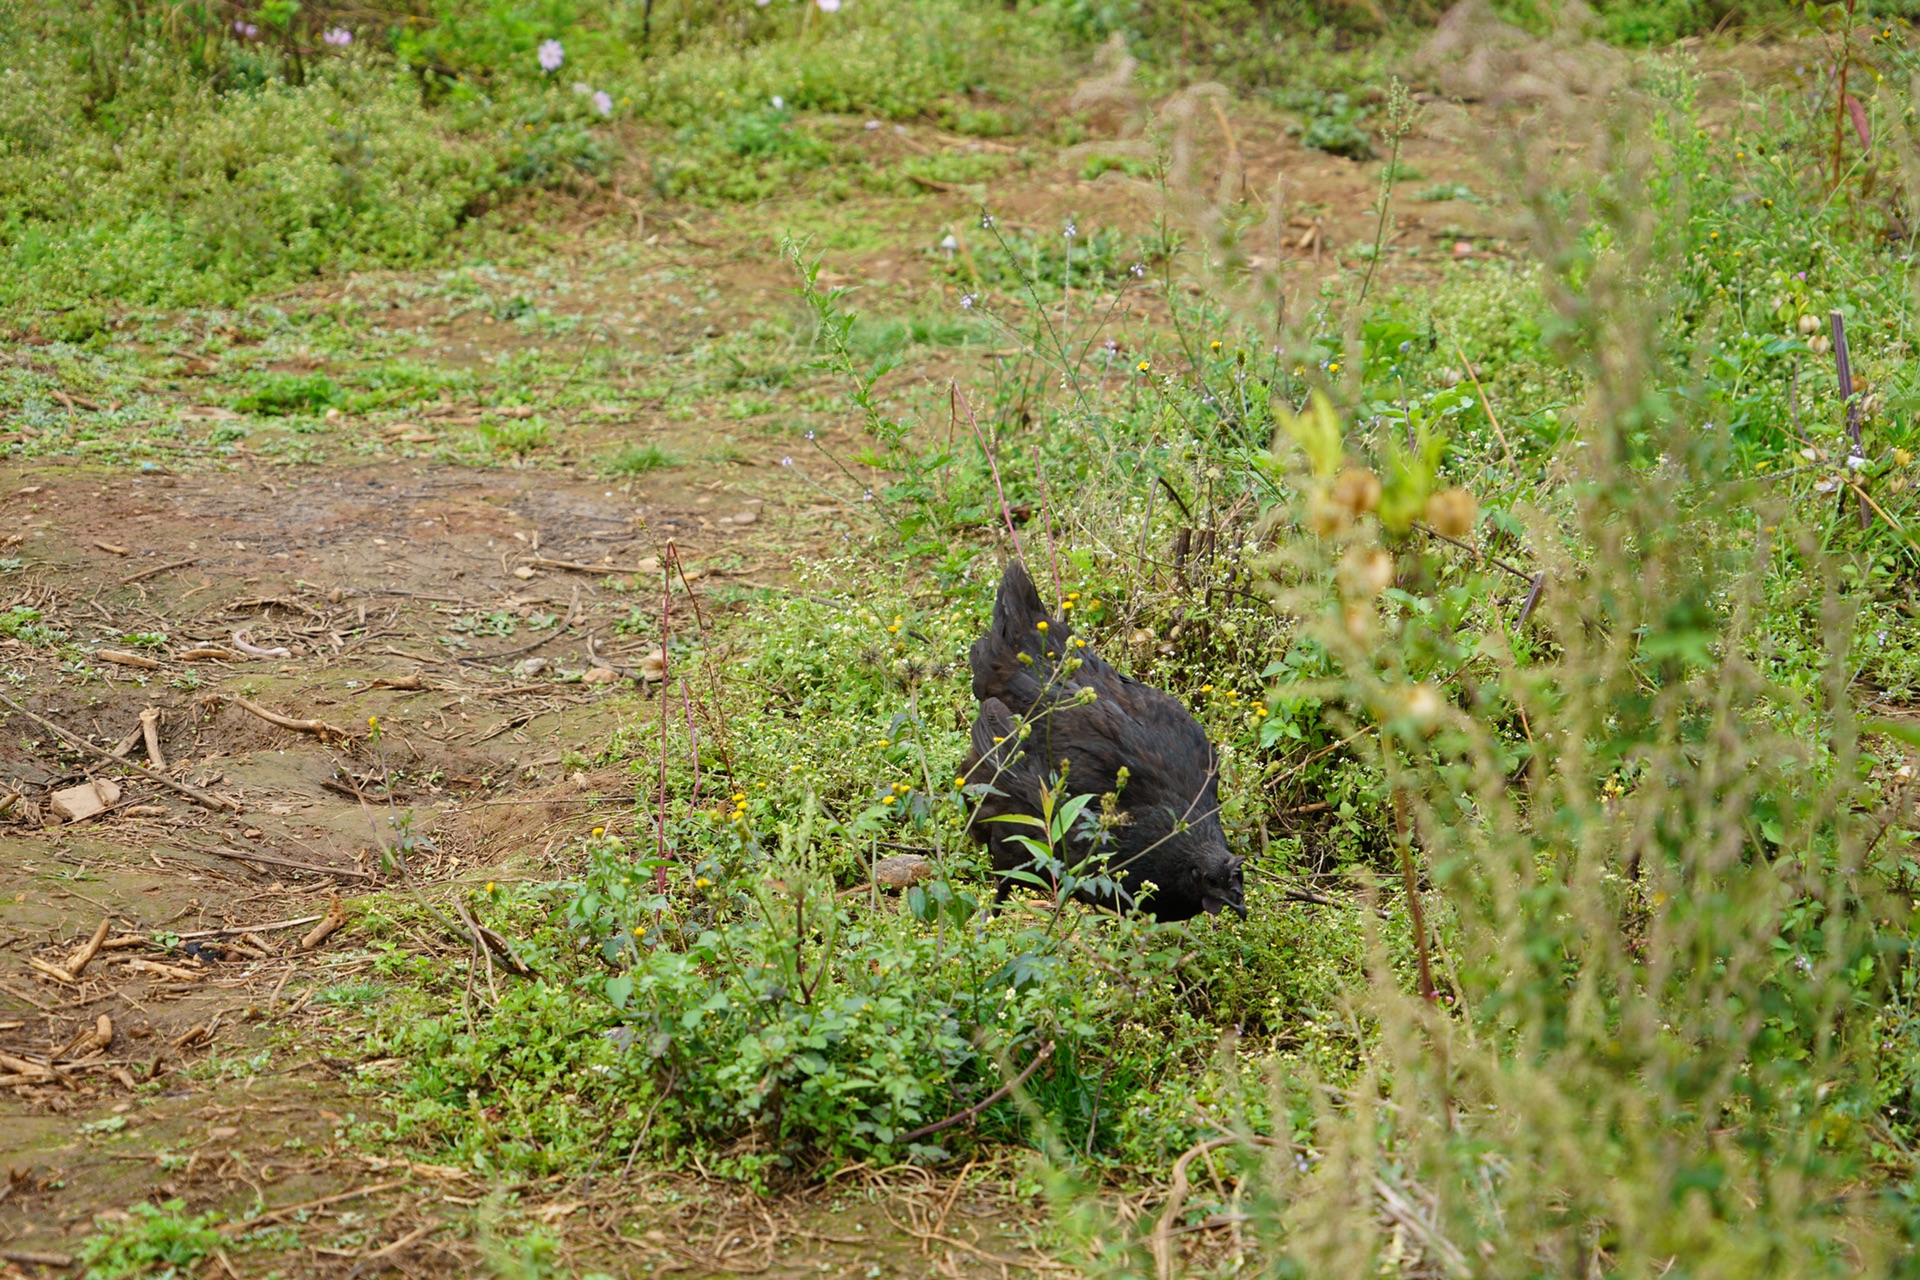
(1167,853)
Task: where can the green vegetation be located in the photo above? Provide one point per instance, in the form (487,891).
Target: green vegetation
(1553,619)
(157,1242)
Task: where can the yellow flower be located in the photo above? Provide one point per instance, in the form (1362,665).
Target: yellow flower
(738,796)
(599,831)
(1334,367)
(1065,605)
(1213,346)
(373,722)
(888,799)
(1073,595)
(1040,625)
(883,743)
(1001,738)
(1206,688)
(1232,694)
(702,882)
(489,886)
(1142,366)
(902,787)
(1078,643)
(894,629)
(959,782)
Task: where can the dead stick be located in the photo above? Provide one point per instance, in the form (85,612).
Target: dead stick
(238,930)
(332,923)
(961,1117)
(156,571)
(150,730)
(84,956)
(274,1214)
(243,856)
(318,728)
(192,793)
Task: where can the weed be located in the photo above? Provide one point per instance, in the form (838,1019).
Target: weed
(637,460)
(518,438)
(160,1242)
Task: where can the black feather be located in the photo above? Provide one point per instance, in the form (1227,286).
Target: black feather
(1034,724)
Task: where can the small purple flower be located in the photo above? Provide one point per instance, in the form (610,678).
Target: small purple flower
(551,55)
(872,125)
(966,302)
(603,103)
(1071,230)
(786,462)
(986,221)
(1137,270)
(338,37)
(245,29)
(1799,275)
(828,6)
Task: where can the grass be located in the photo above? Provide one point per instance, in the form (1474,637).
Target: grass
(1559,684)
(637,460)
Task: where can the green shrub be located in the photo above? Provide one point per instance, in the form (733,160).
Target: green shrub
(157,1242)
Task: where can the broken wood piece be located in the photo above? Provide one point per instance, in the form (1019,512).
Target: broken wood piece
(245,645)
(112,549)
(89,1042)
(318,728)
(124,941)
(20,1066)
(154,967)
(121,658)
(242,855)
(330,924)
(492,941)
(242,930)
(36,1258)
(53,971)
(127,743)
(195,794)
(208,653)
(77,803)
(80,959)
(413,681)
(156,571)
(150,729)
(649,565)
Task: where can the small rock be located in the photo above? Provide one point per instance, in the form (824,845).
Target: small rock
(1462,249)
(600,675)
(526,571)
(222,1132)
(85,800)
(902,870)
(746,517)
(531,666)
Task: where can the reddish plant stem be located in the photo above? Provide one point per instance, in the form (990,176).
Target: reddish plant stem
(666,635)
(1415,912)
(993,465)
(1840,100)
(1046,521)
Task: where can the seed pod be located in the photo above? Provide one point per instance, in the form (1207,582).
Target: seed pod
(1809,325)
(1325,516)
(1358,490)
(1452,512)
(1820,344)
(1365,572)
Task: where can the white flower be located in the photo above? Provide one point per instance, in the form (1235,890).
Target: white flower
(948,243)
(828,6)
(551,55)
(779,103)
(603,103)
